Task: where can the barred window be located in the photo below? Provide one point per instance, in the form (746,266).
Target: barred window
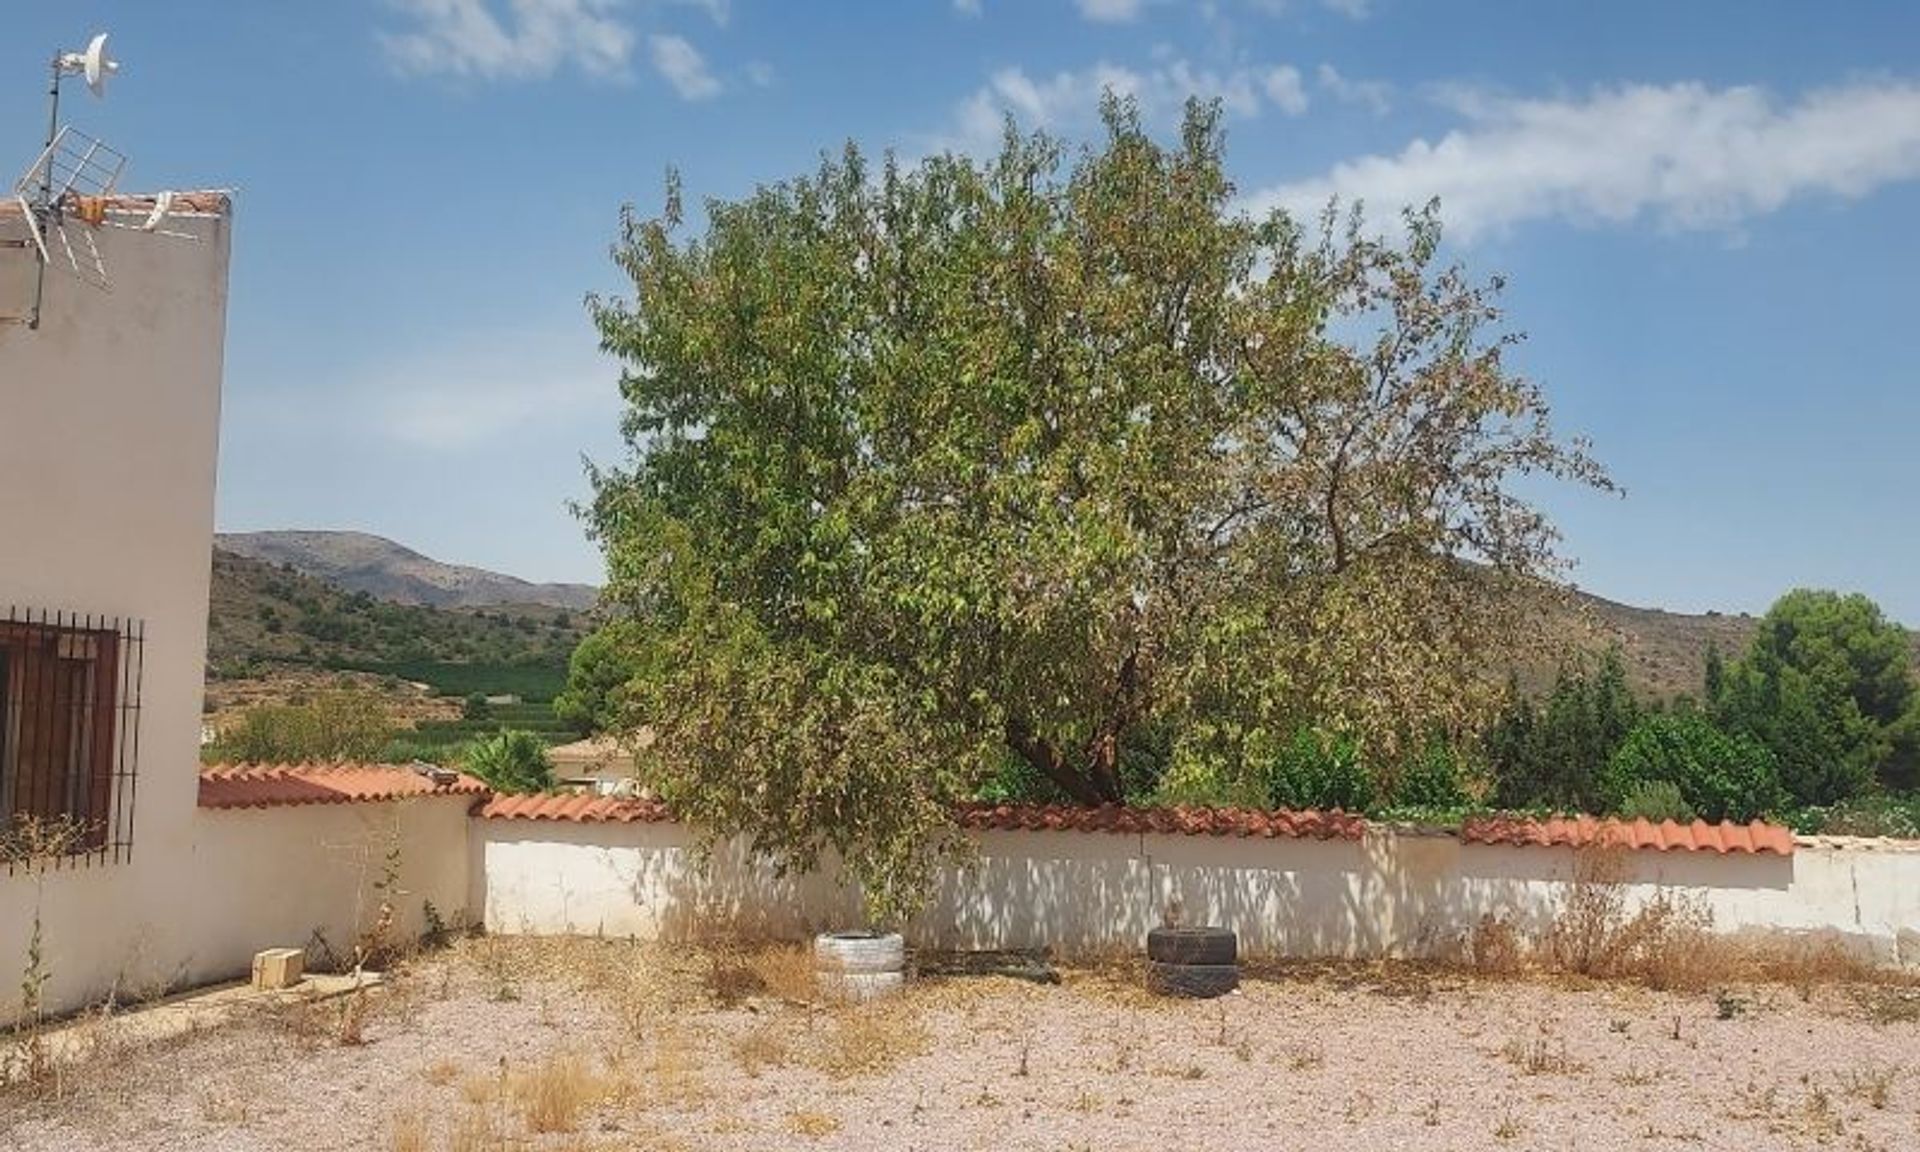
(69,727)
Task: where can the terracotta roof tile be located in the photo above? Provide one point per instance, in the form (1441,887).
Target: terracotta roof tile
(580,806)
(272,785)
(1667,836)
(1240,822)
(1243,822)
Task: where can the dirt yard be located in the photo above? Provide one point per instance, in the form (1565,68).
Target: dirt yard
(523,1044)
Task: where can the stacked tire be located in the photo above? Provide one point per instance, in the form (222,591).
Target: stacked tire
(859,965)
(1194,963)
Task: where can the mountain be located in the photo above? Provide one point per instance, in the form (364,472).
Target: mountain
(361,562)
(262,616)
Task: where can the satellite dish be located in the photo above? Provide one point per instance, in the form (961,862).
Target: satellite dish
(96,66)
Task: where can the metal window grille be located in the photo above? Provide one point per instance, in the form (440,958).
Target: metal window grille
(70,729)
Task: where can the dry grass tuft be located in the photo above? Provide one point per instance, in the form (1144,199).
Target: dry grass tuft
(814,1125)
(1871,1083)
(1541,1056)
(552,1095)
(476,1131)
(863,1040)
(407,1130)
(441,1072)
(762,1047)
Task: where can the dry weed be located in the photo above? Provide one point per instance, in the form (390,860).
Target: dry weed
(1494,948)
(407,1130)
(762,1047)
(1870,1083)
(442,1072)
(552,1095)
(1541,1056)
(476,1131)
(813,1125)
(872,1038)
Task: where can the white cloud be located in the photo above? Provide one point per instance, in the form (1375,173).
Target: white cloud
(1111,11)
(1683,155)
(461,399)
(682,66)
(967,7)
(1374,95)
(1071,99)
(468,38)
(719,11)
(760,74)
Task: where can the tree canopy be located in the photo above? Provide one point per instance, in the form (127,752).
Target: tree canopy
(938,465)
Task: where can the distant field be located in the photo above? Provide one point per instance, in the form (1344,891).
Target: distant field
(534,683)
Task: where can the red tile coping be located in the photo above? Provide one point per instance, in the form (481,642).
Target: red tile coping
(1244,822)
(274,785)
(579,806)
(1239,822)
(1667,836)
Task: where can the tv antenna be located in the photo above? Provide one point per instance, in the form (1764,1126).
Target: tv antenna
(64,194)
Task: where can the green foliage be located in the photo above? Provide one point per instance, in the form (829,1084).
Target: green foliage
(1436,776)
(1827,685)
(1656,800)
(1720,776)
(476,708)
(597,677)
(1877,814)
(334,726)
(1314,770)
(1552,754)
(262,614)
(511,761)
(934,464)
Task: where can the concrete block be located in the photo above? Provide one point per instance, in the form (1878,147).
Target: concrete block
(277,968)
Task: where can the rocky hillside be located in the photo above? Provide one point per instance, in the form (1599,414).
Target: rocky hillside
(262,615)
(384,570)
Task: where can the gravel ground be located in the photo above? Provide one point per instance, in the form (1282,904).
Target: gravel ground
(579,1045)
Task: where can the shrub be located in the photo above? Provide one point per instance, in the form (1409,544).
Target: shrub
(334,726)
(476,708)
(1316,770)
(1721,776)
(512,761)
(1656,800)
(1433,777)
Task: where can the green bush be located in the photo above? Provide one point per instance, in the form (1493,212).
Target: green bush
(512,761)
(1879,814)
(1434,776)
(476,707)
(1656,800)
(334,726)
(1721,776)
(1315,770)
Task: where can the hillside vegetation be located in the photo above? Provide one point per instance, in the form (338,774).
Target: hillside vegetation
(262,615)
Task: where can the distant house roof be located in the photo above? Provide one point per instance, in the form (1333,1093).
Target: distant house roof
(599,753)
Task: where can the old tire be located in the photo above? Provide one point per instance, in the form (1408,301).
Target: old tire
(860,987)
(1192,981)
(859,953)
(1193,946)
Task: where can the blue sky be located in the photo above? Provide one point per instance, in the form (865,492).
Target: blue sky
(1705,212)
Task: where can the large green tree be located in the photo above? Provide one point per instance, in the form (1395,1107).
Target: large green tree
(938,465)
(1827,684)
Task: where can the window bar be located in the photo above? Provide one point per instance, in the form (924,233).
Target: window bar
(126,768)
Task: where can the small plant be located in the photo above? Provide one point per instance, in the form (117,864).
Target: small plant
(35,845)
(1655,801)
(1727,1006)
(1872,1084)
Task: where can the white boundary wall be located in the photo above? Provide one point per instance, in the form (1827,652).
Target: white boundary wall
(250,878)
(1386,895)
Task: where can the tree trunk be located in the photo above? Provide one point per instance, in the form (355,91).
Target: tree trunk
(1047,760)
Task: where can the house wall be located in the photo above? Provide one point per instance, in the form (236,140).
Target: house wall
(1385,895)
(109,425)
